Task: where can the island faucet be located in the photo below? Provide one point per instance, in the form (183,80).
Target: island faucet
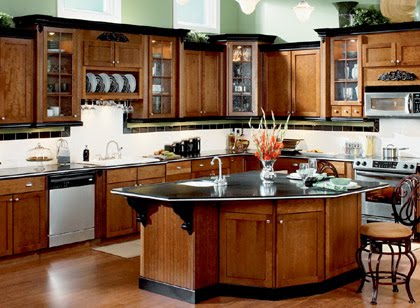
(221,180)
(107,149)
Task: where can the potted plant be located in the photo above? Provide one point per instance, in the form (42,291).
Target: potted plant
(5,20)
(370,16)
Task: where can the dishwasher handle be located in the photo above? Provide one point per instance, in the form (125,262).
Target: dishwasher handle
(70,180)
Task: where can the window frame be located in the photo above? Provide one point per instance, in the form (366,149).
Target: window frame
(211,24)
(111,13)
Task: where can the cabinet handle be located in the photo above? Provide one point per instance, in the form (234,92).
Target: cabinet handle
(29,184)
(268,221)
(178,167)
(204,112)
(10,200)
(201,165)
(3,118)
(16,199)
(75,116)
(152,114)
(337,111)
(113,62)
(356,111)
(294,164)
(346,111)
(392,61)
(201,111)
(281,221)
(136,185)
(398,61)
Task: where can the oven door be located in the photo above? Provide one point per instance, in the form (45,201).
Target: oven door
(377,205)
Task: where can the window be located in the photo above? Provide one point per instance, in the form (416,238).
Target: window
(198,15)
(98,10)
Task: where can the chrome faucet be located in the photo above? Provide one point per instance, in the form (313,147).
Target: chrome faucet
(107,149)
(221,180)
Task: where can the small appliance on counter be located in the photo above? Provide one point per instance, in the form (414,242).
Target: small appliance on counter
(289,147)
(39,154)
(63,152)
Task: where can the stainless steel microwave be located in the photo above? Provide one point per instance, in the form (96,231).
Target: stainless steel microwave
(392,104)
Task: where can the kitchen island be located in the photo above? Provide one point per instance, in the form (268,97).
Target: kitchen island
(199,240)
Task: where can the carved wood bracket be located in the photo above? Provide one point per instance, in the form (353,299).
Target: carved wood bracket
(112,36)
(397,76)
(186,212)
(141,210)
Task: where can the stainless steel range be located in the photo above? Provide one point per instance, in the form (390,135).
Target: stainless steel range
(376,205)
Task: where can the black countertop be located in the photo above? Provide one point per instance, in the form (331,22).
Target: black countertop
(241,186)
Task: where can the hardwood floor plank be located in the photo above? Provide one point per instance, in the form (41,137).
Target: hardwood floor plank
(81,277)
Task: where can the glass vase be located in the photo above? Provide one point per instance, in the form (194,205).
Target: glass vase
(267,174)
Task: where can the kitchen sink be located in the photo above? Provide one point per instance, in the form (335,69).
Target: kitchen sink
(119,161)
(202,183)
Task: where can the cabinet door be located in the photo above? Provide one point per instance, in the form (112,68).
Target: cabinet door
(162,86)
(98,53)
(191,103)
(246,249)
(6,226)
(300,248)
(379,54)
(277,95)
(212,84)
(16,77)
(59,76)
(305,83)
(408,53)
(242,78)
(120,217)
(289,164)
(29,222)
(237,164)
(128,55)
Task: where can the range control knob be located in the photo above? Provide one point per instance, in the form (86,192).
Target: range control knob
(357,163)
(405,166)
(412,167)
(364,163)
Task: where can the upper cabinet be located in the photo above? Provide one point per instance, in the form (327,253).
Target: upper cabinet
(58,97)
(162,76)
(17,79)
(202,81)
(346,76)
(291,82)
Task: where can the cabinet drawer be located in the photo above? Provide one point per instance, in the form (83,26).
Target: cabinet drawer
(204,164)
(178,167)
(346,111)
(150,172)
(22,185)
(121,175)
(356,111)
(336,111)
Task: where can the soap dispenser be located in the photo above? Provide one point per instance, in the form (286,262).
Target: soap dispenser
(86,154)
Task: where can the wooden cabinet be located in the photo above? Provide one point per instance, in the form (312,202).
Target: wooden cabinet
(59,82)
(120,218)
(246,244)
(346,77)
(289,164)
(162,77)
(204,168)
(16,77)
(291,82)
(300,242)
(113,54)
(23,215)
(176,171)
(201,83)
(237,164)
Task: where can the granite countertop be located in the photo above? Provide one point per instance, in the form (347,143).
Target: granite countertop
(241,186)
(17,172)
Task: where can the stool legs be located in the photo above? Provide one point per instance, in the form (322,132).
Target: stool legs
(413,264)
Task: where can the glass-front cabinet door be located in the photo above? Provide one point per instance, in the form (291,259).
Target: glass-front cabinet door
(242,78)
(61,101)
(346,73)
(162,72)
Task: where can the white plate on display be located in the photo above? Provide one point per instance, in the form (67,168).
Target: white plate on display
(120,82)
(132,82)
(294,176)
(126,86)
(107,82)
(92,80)
(114,85)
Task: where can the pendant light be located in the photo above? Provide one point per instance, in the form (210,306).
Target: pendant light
(303,11)
(182,2)
(248,6)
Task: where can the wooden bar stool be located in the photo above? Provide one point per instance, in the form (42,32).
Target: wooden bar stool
(327,167)
(395,236)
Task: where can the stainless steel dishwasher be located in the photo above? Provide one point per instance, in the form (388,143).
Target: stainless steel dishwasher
(72,208)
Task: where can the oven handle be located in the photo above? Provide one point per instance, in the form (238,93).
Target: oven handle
(380,174)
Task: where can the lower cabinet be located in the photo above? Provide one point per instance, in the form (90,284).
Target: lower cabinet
(23,215)
(260,251)
(246,244)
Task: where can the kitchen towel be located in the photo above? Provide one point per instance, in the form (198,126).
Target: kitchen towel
(129,249)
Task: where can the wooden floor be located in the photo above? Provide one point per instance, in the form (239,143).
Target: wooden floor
(82,277)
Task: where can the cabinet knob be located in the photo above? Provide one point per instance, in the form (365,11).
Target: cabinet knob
(10,200)
(29,184)
(118,62)
(178,167)
(3,118)
(268,221)
(201,165)
(136,185)
(295,165)
(204,111)
(398,61)
(16,199)
(392,61)
(113,62)
(75,116)
(281,221)
(201,111)
(346,111)
(152,113)
(356,111)
(336,111)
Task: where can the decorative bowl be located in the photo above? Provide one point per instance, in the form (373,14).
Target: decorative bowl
(340,181)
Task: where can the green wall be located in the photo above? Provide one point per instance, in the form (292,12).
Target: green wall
(271,16)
